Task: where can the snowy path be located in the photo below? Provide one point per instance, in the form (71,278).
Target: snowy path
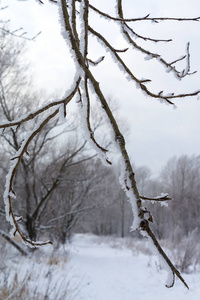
(108,273)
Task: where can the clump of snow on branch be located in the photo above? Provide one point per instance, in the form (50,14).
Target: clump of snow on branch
(12,195)
(82,28)
(7,194)
(66,36)
(126,186)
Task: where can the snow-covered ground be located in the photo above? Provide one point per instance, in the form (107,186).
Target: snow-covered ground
(111,271)
(92,268)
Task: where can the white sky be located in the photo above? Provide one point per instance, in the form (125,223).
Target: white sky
(157,131)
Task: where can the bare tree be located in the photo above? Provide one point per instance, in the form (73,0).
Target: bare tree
(72,14)
(36,180)
(75,185)
(182,177)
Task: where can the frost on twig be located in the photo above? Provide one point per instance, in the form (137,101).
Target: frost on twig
(141,222)
(95,63)
(162,197)
(75,23)
(19,32)
(9,194)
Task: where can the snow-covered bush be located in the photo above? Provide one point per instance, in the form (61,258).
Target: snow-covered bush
(41,275)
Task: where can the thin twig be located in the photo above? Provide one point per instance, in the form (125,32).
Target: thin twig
(32,115)
(159,198)
(145,18)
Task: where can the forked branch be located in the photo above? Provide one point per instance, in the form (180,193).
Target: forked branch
(9,193)
(85,82)
(128,178)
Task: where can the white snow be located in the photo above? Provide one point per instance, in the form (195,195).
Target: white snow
(82,35)
(8,193)
(114,272)
(124,182)
(96,268)
(62,116)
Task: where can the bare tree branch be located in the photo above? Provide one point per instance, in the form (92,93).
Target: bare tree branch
(145,18)
(32,115)
(158,198)
(13,243)
(85,82)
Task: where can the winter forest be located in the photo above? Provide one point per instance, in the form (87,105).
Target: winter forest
(70,187)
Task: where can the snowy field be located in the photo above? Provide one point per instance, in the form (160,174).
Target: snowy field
(111,271)
(92,268)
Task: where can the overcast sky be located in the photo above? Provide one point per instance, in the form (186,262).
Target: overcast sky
(157,131)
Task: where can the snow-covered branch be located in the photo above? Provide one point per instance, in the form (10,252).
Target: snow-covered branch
(75,22)
(46,107)
(127,178)
(162,197)
(145,18)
